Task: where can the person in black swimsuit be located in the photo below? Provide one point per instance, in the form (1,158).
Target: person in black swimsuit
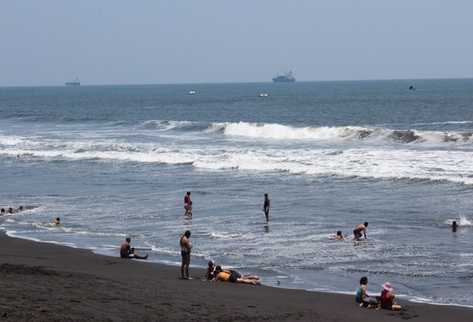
(266,206)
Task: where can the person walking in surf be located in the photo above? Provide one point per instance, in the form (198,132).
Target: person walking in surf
(188,204)
(266,206)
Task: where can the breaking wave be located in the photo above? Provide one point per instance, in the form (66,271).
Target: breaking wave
(327,133)
(377,157)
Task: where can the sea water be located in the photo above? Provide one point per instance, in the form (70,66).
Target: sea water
(116,161)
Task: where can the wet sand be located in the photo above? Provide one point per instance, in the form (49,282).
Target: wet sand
(47,282)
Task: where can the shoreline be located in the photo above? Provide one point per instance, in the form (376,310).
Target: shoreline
(45,281)
(401,297)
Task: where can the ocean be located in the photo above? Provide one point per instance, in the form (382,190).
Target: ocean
(116,161)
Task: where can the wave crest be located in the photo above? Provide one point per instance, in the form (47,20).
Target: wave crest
(326,133)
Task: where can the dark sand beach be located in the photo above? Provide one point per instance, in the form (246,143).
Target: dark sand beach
(47,282)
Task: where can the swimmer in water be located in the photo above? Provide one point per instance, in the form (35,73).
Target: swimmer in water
(2,212)
(359,231)
(339,235)
(454,226)
(57,221)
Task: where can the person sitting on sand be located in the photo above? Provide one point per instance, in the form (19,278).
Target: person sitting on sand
(235,277)
(126,251)
(210,275)
(188,204)
(362,297)
(360,230)
(387,298)
(57,221)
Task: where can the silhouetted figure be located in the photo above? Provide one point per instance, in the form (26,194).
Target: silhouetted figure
(266,206)
(454,226)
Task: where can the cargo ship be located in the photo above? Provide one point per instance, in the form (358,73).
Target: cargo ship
(75,82)
(285,78)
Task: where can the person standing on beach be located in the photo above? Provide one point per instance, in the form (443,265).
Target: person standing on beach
(188,204)
(266,206)
(186,247)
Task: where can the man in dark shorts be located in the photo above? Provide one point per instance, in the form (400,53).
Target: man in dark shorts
(360,230)
(186,247)
(266,206)
(126,251)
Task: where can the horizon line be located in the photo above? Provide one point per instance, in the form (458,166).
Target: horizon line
(240,82)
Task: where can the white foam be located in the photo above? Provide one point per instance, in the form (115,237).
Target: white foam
(340,133)
(163,125)
(462,221)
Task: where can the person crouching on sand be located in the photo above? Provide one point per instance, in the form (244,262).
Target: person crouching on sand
(210,275)
(126,251)
(186,247)
(387,298)
(235,277)
(362,297)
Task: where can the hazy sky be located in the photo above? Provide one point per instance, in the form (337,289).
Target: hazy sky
(46,42)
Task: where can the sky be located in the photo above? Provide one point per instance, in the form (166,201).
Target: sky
(48,42)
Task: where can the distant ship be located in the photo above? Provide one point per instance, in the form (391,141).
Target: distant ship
(285,78)
(75,82)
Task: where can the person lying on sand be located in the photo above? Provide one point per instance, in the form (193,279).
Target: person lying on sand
(359,230)
(126,251)
(235,277)
(362,297)
(387,298)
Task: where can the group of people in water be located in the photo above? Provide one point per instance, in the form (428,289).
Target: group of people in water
(358,233)
(11,210)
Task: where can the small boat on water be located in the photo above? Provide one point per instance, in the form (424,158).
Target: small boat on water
(263,94)
(192,92)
